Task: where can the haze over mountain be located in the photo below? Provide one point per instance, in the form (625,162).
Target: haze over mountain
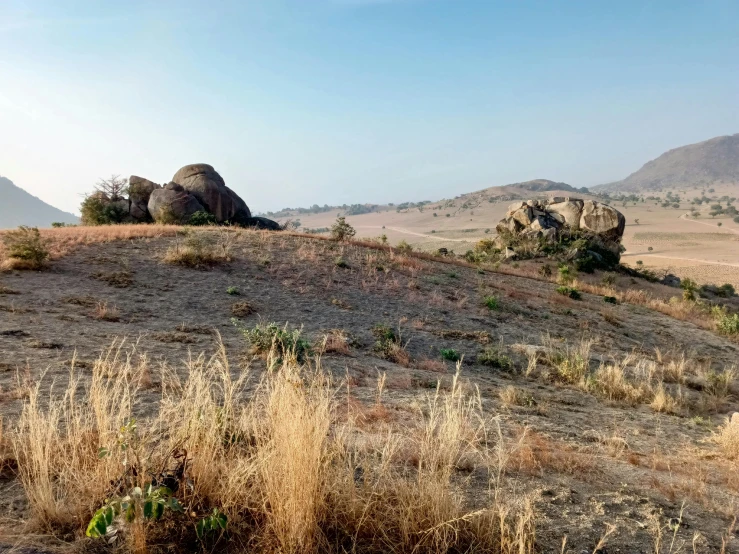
(17,207)
(714,161)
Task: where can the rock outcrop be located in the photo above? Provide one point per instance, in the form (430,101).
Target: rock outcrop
(172,206)
(204,183)
(600,225)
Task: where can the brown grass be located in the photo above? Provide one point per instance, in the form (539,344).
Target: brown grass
(287,473)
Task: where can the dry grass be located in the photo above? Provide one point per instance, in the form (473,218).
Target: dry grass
(335,341)
(242,309)
(727,438)
(287,473)
(104,312)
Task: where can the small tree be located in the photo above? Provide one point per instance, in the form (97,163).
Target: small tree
(26,247)
(341,230)
(719,224)
(115,188)
(689,289)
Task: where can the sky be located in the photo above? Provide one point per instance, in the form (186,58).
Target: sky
(297,102)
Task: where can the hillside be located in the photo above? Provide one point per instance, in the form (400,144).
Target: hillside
(711,162)
(554,418)
(17,207)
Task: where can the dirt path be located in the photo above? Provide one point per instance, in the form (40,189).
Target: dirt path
(407,232)
(706,262)
(709,225)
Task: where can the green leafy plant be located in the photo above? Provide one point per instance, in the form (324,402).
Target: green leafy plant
(491,302)
(493,357)
(341,231)
(569,292)
(284,341)
(25,246)
(545,270)
(450,354)
(233,291)
(689,287)
(610,300)
(202,217)
(216,521)
(341,262)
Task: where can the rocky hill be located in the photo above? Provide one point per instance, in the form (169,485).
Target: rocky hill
(17,207)
(714,161)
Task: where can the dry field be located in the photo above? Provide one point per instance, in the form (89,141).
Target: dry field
(412,403)
(687,247)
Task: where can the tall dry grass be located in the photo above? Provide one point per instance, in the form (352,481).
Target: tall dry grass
(289,473)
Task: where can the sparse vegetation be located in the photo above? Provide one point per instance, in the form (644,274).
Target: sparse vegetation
(494,357)
(341,231)
(277,343)
(25,249)
(569,292)
(450,354)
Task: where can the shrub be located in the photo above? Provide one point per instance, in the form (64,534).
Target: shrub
(689,289)
(96,211)
(569,292)
(196,252)
(491,302)
(571,363)
(233,291)
(736,219)
(242,309)
(545,270)
(280,342)
(201,217)
(450,354)
(608,279)
(389,345)
(403,246)
(726,323)
(565,275)
(341,230)
(341,262)
(25,248)
(493,357)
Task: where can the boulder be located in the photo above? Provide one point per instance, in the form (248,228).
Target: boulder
(171,206)
(602,220)
(570,210)
(208,187)
(140,189)
(260,223)
(174,186)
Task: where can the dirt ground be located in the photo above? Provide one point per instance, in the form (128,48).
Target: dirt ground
(589,462)
(688,247)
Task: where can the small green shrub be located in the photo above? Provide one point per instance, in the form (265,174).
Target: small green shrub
(545,270)
(608,279)
(569,292)
(566,275)
(201,217)
(341,231)
(726,323)
(493,357)
(403,246)
(233,291)
(26,248)
(341,262)
(264,338)
(610,300)
(689,287)
(450,354)
(491,302)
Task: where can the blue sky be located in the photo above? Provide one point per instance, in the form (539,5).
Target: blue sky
(298,102)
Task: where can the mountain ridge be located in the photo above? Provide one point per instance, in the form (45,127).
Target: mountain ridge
(19,207)
(712,161)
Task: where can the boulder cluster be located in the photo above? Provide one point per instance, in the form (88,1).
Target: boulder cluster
(549,221)
(196,188)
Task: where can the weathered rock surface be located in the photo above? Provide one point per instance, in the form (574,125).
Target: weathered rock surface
(205,184)
(171,206)
(140,189)
(601,224)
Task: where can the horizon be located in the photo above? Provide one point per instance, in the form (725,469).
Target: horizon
(358,101)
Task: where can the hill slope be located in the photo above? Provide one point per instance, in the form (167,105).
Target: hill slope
(17,207)
(714,161)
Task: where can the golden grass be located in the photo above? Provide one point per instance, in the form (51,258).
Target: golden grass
(290,475)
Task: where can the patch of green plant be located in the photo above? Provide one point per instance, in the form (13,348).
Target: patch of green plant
(608,279)
(492,303)
(201,217)
(233,291)
(726,323)
(610,300)
(545,270)
(285,342)
(450,354)
(25,243)
(403,246)
(569,292)
(493,357)
(689,287)
(341,231)
(216,521)
(341,262)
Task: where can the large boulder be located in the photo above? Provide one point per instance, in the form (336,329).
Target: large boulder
(208,187)
(533,224)
(171,206)
(140,189)
(602,220)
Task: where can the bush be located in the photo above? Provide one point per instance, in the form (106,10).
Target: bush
(491,302)
(341,262)
(403,246)
(450,354)
(25,248)
(201,217)
(281,342)
(689,289)
(492,357)
(610,299)
(736,219)
(389,345)
(569,292)
(726,323)
(195,252)
(545,270)
(96,211)
(233,291)
(341,230)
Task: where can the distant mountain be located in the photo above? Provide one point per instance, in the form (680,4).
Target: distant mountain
(17,207)
(714,161)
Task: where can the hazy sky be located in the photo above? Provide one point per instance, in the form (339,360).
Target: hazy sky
(298,102)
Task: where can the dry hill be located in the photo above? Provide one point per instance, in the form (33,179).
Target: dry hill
(401,402)
(17,207)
